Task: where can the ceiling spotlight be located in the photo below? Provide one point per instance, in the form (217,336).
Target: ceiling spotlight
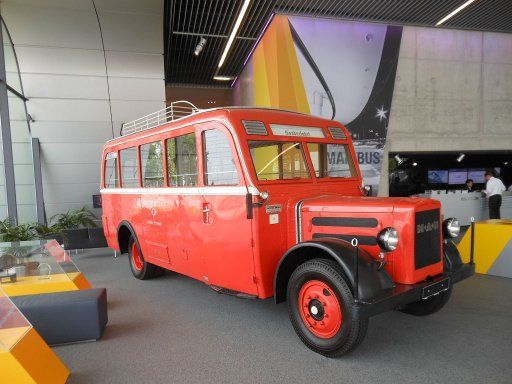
(415,164)
(454,12)
(460,157)
(200,46)
(399,159)
(223,78)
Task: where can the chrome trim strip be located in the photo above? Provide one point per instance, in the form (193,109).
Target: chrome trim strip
(298,221)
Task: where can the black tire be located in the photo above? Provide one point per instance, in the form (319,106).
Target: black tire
(351,332)
(428,306)
(144,270)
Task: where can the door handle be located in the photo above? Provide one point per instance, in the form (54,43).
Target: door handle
(206,212)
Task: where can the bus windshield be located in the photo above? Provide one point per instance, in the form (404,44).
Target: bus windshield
(331,160)
(278,160)
(282,160)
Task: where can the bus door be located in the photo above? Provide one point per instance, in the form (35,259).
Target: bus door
(154,203)
(185,232)
(227,241)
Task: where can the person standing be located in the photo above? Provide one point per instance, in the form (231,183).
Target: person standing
(493,189)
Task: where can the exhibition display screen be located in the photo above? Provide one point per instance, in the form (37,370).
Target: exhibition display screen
(438,176)
(457,176)
(477,175)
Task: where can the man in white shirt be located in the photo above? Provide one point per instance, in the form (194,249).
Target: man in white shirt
(493,189)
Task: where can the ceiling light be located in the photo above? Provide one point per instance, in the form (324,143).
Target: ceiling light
(453,13)
(223,78)
(415,164)
(398,159)
(200,46)
(234,31)
(460,157)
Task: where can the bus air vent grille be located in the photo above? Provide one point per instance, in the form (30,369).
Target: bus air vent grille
(337,133)
(253,127)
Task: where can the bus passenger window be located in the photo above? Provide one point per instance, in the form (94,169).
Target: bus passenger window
(182,161)
(111,170)
(129,168)
(151,158)
(220,166)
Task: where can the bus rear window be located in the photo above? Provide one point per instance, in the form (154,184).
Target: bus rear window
(278,160)
(331,160)
(129,168)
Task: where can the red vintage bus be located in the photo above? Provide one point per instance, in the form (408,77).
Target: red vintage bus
(260,203)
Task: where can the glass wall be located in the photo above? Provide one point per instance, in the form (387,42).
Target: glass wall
(21,141)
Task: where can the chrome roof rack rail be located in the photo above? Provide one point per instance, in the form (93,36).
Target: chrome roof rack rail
(177,110)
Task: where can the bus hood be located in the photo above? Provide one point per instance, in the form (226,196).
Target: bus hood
(359,204)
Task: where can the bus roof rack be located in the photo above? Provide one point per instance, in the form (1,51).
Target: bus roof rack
(177,110)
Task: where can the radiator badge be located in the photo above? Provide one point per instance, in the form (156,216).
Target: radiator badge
(270,209)
(427,227)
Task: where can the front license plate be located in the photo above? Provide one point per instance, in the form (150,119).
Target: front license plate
(435,288)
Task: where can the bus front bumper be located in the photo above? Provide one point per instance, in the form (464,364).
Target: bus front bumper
(403,294)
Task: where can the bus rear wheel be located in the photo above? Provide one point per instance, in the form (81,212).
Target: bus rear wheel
(319,304)
(141,269)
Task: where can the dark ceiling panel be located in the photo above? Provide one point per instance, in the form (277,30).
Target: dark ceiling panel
(186,21)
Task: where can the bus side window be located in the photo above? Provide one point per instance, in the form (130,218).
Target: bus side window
(111,170)
(182,161)
(129,168)
(220,168)
(151,158)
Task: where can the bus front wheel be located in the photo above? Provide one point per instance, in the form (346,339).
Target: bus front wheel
(141,269)
(319,303)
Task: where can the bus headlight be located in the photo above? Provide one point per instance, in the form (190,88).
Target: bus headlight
(388,239)
(451,227)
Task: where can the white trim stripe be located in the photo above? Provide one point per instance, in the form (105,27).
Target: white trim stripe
(186,191)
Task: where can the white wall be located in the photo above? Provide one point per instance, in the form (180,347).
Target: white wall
(77,90)
(453,92)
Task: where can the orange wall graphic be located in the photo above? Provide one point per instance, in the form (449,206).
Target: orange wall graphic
(277,78)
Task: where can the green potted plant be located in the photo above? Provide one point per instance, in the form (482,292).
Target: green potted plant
(74,219)
(74,225)
(47,232)
(20,232)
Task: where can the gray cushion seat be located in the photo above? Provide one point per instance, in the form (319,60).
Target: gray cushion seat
(66,317)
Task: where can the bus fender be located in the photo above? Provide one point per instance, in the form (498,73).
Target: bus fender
(124,232)
(372,281)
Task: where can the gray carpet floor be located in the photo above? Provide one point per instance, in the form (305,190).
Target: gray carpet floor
(177,330)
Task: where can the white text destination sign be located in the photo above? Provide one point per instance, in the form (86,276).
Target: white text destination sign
(296,130)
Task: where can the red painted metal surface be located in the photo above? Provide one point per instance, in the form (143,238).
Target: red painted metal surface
(320,309)
(136,258)
(225,247)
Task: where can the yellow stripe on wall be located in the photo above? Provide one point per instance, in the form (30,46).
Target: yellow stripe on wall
(277,78)
(491,237)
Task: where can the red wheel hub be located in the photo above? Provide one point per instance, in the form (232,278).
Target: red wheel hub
(136,257)
(320,309)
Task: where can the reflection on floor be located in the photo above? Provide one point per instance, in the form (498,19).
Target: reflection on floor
(176,330)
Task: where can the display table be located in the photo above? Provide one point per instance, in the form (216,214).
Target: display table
(32,267)
(464,205)
(24,356)
(492,247)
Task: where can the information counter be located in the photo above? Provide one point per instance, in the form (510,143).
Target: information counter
(465,205)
